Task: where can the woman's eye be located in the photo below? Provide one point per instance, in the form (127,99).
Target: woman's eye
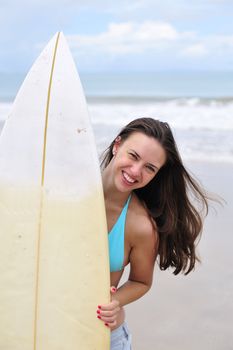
(150,168)
(132,155)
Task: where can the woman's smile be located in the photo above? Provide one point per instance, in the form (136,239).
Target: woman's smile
(137,161)
(129,180)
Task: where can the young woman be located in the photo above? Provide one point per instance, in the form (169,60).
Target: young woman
(149,198)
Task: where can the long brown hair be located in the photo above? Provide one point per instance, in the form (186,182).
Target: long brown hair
(174,199)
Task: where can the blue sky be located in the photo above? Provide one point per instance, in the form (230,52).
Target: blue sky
(140,35)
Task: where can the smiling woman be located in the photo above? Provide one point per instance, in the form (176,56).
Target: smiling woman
(137,161)
(150,215)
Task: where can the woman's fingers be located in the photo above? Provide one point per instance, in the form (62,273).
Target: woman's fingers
(113,289)
(110,324)
(108,312)
(108,316)
(108,321)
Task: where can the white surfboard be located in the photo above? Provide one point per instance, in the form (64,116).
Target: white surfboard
(54,267)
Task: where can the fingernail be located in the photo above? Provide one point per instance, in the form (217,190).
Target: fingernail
(99,317)
(114,289)
(106,324)
(99,306)
(98,311)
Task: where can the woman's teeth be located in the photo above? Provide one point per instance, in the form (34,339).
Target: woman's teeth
(128,178)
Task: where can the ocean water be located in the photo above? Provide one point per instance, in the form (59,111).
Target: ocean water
(197,105)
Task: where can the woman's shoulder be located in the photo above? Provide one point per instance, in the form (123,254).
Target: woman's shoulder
(140,225)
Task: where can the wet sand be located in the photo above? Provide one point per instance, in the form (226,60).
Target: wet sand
(194,311)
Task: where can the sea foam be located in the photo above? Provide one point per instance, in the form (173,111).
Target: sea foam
(203,128)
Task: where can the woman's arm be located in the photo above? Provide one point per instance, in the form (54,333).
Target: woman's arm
(142,259)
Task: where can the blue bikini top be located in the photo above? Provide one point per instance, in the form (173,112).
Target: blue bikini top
(116,241)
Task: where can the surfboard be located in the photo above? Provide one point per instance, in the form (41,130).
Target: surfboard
(54,265)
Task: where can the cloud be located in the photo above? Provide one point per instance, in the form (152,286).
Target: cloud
(223,41)
(105,34)
(129,37)
(196,50)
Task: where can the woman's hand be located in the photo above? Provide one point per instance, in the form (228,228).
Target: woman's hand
(108,312)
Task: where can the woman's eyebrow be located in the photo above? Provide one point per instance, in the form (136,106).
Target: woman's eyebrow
(136,154)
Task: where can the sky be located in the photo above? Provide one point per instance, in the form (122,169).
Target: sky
(122,35)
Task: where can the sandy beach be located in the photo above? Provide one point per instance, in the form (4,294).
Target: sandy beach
(194,311)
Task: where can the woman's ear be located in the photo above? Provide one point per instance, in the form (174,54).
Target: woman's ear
(116,145)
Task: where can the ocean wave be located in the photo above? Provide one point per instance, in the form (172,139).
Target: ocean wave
(203,130)
(182,101)
(189,115)
(180,114)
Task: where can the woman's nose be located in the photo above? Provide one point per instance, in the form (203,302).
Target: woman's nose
(136,169)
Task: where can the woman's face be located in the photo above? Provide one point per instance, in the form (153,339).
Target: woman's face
(136,161)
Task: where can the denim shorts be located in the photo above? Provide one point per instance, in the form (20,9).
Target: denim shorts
(121,338)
